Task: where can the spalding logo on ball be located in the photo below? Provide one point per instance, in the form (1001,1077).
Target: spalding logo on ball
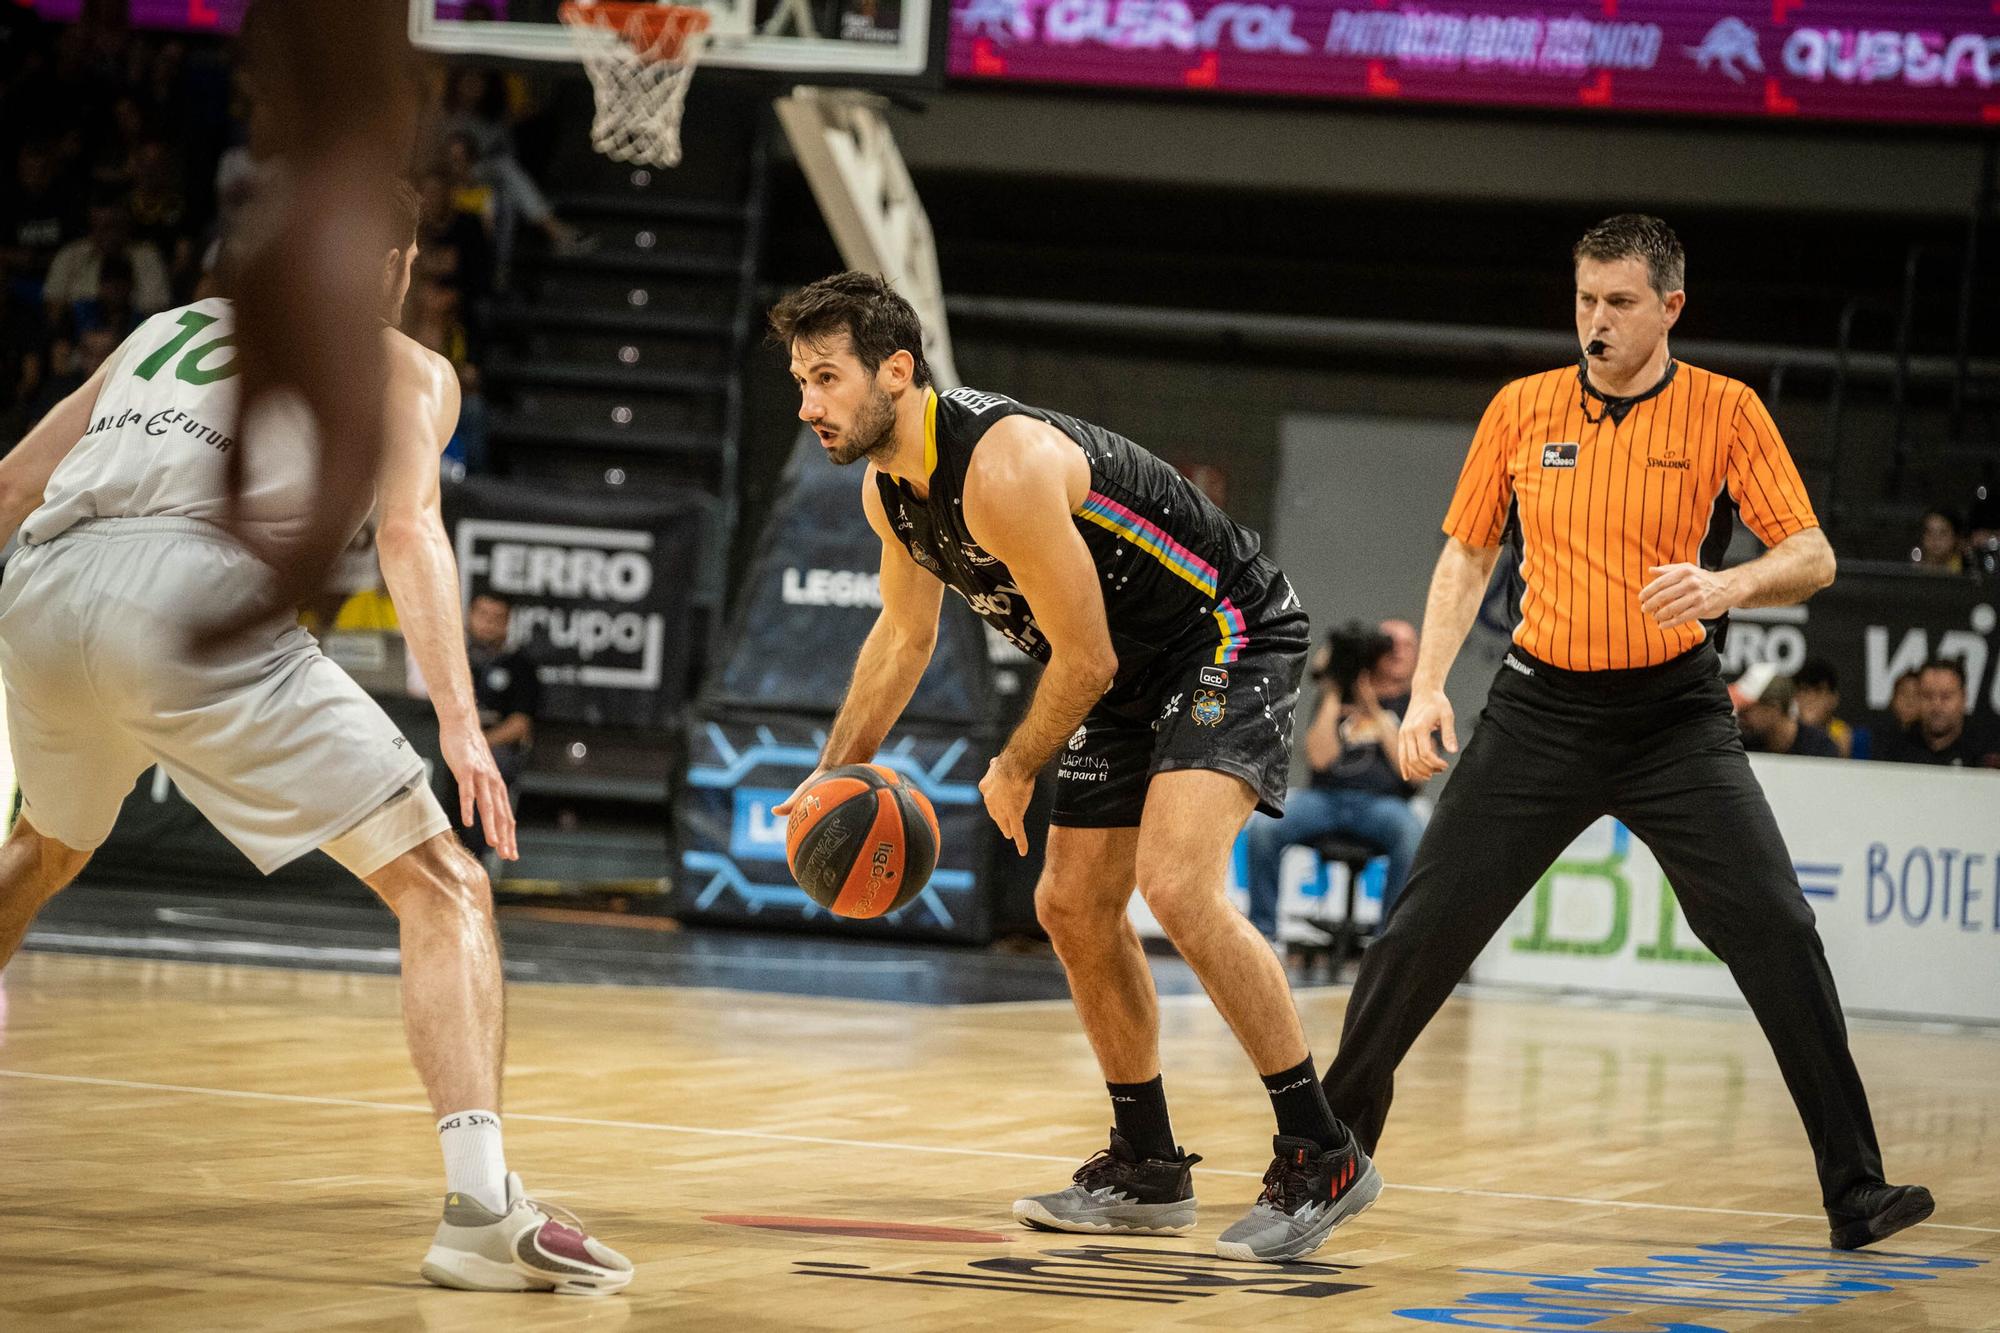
(861,841)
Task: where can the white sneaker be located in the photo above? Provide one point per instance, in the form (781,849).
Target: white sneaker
(523,1249)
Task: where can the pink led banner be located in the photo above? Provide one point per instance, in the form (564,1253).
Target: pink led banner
(1825,59)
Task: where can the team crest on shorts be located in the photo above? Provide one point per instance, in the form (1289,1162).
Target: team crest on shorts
(1206,710)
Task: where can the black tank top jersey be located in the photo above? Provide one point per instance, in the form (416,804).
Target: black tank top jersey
(1179,576)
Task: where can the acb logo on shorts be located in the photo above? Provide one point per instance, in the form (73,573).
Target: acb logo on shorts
(1207,708)
(1216,676)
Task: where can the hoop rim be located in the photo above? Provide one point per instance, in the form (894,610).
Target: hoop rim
(640,23)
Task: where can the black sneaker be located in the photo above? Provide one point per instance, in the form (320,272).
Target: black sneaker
(1120,1192)
(1307,1193)
(1877,1212)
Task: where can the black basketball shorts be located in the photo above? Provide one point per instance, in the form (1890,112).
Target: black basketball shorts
(1232,717)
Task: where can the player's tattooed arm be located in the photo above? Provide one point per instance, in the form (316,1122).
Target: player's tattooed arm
(1021,492)
(892,658)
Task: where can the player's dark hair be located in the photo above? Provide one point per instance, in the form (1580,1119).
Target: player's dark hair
(1951,664)
(406,212)
(864,307)
(1637,236)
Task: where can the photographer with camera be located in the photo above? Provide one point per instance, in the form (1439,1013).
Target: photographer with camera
(1356,790)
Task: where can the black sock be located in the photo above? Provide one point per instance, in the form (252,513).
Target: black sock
(1141,1112)
(1300,1101)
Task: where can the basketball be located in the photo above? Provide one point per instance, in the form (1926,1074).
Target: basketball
(862,842)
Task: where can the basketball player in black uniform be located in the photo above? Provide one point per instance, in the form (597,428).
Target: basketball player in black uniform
(1173,651)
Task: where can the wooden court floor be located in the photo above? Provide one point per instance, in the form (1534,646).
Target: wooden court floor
(195,1146)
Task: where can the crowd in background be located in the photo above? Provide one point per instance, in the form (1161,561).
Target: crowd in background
(111,144)
(1928,720)
(115,209)
(1954,542)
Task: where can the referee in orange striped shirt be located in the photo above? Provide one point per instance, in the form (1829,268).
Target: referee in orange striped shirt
(1621,471)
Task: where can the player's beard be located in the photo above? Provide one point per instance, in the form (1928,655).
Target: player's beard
(873,435)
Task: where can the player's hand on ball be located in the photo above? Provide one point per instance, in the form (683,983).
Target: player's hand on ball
(1417,755)
(1681,593)
(784,807)
(1007,798)
(482,792)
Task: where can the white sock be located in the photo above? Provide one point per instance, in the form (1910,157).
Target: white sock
(473,1162)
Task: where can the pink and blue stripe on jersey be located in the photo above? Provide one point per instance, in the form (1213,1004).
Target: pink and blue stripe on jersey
(1149,537)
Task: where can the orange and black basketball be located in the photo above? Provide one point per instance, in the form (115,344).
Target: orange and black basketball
(862,842)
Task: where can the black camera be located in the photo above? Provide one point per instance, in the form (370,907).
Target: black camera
(1350,650)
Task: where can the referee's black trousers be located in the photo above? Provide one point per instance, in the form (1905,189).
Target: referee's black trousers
(1658,748)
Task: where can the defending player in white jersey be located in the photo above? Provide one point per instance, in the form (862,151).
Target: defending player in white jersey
(119,495)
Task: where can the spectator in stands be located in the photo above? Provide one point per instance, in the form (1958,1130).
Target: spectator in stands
(1356,789)
(1940,545)
(475,113)
(39,212)
(1943,735)
(508,692)
(111,165)
(158,204)
(1982,540)
(453,247)
(75,275)
(111,306)
(1816,698)
(430,315)
(470,194)
(1771,725)
(78,364)
(1904,705)
(1396,671)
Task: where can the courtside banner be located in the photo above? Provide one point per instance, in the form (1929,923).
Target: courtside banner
(742,763)
(1864,60)
(600,588)
(1901,864)
(812,594)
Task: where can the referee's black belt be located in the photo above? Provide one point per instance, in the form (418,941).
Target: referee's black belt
(1695,664)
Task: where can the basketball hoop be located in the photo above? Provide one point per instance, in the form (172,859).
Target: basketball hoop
(640,58)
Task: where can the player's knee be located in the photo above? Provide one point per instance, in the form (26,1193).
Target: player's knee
(438,876)
(466,884)
(1179,896)
(1068,912)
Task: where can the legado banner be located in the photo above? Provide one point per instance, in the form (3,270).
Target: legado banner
(599,589)
(811,596)
(1901,865)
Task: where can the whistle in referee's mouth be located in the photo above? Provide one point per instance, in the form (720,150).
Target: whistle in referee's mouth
(1595,347)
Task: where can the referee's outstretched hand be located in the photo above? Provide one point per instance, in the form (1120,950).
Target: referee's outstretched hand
(1416,754)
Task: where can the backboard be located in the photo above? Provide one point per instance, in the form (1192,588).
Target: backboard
(890,38)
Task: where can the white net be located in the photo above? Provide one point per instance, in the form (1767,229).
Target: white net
(640,58)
